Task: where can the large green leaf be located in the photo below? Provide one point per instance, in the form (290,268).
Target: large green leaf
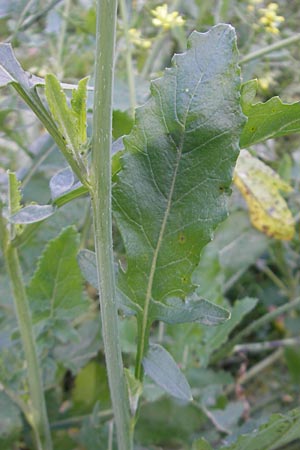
(176,169)
(267,120)
(278,431)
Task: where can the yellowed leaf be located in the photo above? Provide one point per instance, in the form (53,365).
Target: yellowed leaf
(261,187)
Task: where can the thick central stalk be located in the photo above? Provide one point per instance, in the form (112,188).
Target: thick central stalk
(101,205)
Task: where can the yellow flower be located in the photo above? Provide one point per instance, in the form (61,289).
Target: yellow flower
(266,82)
(270,19)
(136,38)
(166,20)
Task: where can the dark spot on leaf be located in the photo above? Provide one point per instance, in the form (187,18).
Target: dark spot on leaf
(182,238)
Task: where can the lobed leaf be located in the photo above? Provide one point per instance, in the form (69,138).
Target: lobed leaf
(177,166)
(55,290)
(261,187)
(267,120)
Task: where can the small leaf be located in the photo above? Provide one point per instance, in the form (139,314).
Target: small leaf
(267,120)
(61,182)
(192,310)
(161,368)
(62,113)
(78,104)
(32,214)
(277,432)
(135,389)
(261,187)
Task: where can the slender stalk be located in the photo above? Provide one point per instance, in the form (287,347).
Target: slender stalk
(62,37)
(101,207)
(257,369)
(129,64)
(270,48)
(254,326)
(158,45)
(257,347)
(38,412)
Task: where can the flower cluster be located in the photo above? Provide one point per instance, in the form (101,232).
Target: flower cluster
(269,18)
(136,39)
(166,20)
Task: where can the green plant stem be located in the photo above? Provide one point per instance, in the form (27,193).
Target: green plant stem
(62,37)
(77,421)
(129,62)
(101,207)
(257,347)
(38,411)
(227,349)
(257,369)
(270,48)
(158,45)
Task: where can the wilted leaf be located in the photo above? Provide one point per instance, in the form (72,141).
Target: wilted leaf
(267,120)
(170,193)
(261,188)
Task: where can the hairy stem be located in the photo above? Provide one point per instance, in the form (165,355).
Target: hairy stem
(101,206)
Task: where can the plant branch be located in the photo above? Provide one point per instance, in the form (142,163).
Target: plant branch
(257,369)
(270,48)
(256,347)
(227,349)
(101,206)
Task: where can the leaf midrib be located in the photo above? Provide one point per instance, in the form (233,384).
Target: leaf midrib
(167,211)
